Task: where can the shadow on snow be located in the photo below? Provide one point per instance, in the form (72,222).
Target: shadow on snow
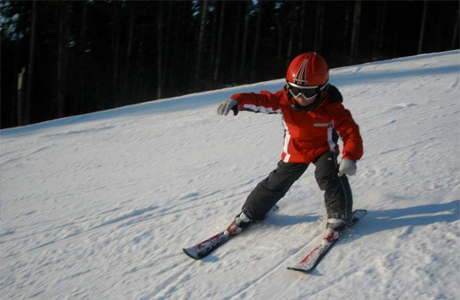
(410,217)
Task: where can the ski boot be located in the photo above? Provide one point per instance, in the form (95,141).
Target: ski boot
(241,221)
(333,229)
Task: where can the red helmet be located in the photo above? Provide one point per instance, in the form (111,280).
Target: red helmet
(308,69)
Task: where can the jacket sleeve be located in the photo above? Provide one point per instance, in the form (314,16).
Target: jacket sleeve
(348,131)
(264,102)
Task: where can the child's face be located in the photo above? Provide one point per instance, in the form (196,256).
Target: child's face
(302,101)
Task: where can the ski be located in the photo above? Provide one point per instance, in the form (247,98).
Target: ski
(207,246)
(310,261)
(204,248)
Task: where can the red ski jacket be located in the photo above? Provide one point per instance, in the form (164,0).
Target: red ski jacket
(309,133)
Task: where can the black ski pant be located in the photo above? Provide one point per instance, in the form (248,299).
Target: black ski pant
(337,192)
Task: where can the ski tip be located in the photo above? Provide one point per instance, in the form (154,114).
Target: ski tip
(190,254)
(358,214)
(298,270)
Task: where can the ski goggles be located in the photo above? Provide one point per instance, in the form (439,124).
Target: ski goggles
(307,92)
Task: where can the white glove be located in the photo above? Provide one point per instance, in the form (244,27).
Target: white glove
(225,107)
(347,167)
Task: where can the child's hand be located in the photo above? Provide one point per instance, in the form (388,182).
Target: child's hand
(347,167)
(225,107)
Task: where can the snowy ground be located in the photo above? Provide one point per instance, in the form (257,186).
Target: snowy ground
(100,206)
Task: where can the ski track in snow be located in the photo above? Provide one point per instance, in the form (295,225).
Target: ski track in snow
(99,206)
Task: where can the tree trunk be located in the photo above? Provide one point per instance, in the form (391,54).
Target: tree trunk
(245,40)
(129,49)
(355,32)
(422,28)
(33,34)
(62,59)
(302,26)
(159,50)
(173,10)
(346,32)
(395,37)
(210,61)
(454,42)
(236,42)
(115,52)
(179,29)
(290,42)
(82,54)
(140,73)
(380,29)
(20,100)
(219,43)
(16,118)
(319,26)
(204,10)
(279,31)
(256,41)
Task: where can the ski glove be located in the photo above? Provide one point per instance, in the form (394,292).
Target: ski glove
(225,107)
(347,167)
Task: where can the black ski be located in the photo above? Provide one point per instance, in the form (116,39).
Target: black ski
(204,248)
(207,246)
(310,261)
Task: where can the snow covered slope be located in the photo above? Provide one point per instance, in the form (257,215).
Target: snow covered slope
(99,206)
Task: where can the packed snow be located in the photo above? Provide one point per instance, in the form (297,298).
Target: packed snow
(99,206)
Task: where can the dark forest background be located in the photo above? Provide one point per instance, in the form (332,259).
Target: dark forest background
(61,58)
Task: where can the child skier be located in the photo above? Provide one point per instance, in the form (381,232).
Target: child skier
(314,118)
